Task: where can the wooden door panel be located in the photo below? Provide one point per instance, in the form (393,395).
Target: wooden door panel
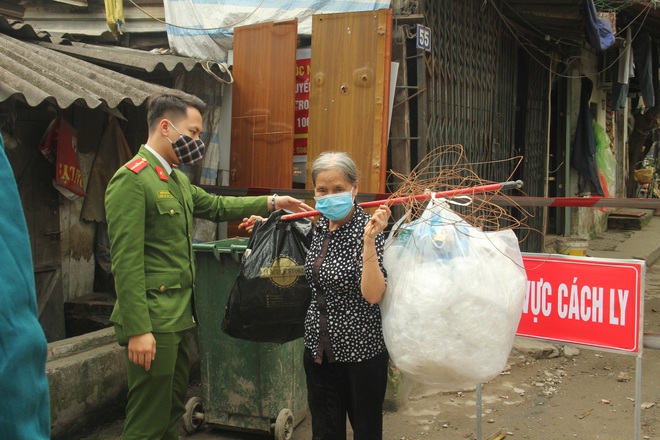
(45,234)
(259,160)
(41,206)
(242,130)
(349,94)
(263,104)
(50,301)
(268,148)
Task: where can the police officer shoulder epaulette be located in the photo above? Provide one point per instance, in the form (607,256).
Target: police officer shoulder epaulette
(137,165)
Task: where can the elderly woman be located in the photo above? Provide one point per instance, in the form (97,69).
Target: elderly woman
(345,355)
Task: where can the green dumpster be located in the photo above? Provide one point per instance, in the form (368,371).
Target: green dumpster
(246,386)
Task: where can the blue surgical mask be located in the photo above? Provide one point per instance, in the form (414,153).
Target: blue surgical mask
(335,206)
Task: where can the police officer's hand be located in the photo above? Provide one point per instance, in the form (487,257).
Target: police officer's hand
(142,349)
(291,204)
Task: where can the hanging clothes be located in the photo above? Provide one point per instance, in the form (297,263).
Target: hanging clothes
(643,53)
(625,71)
(113,152)
(583,155)
(598,31)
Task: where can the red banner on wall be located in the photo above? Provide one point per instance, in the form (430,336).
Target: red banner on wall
(303,69)
(586,301)
(60,146)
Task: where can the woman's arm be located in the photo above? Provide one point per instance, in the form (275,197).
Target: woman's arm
(373,280)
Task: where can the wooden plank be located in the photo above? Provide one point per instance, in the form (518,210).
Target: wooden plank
(628,213)
(349,94)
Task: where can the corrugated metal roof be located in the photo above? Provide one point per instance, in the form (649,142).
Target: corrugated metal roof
(91,21)
(36,74)
(21,30)
(124,57)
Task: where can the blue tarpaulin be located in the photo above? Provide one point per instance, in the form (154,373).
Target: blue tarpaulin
(205,28)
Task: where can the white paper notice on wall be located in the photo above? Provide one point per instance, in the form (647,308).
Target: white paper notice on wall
(394,71)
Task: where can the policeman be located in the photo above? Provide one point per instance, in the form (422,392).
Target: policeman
(150,206)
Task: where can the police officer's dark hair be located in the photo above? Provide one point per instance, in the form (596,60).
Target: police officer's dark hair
(172,105)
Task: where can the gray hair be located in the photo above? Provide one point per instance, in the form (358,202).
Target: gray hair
(335,160)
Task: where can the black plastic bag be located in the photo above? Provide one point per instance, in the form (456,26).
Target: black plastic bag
(270,297)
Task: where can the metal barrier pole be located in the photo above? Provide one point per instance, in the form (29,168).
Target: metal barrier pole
(479,435)
(651,340)
(551,202)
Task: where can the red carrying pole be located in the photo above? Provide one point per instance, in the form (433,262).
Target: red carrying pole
(420,197)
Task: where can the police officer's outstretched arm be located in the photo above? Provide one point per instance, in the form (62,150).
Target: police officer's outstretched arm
(223,208)
(290,204)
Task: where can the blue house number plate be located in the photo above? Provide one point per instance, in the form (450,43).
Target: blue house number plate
(423,37)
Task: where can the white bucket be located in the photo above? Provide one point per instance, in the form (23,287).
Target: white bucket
(572,246)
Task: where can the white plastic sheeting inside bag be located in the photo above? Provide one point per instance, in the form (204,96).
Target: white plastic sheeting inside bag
(454,299)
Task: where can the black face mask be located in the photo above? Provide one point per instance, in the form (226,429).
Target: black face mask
(187,149)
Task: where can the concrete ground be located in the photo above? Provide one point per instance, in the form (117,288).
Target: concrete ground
(615,243)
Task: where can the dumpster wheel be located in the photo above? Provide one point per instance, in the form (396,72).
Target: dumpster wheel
(284,425)
(193,419)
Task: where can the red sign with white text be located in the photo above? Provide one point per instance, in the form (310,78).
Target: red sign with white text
(303,68)
(581,300)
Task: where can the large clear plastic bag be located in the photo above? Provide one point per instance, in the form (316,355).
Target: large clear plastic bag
(454,298)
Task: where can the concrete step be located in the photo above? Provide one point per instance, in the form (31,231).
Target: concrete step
(88,313)
(630,219)
(87,382)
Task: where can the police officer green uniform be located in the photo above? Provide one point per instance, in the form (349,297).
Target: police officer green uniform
(150,206)
(150,216)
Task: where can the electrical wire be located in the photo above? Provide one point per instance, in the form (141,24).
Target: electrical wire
(634,19)
(207,65)
(622,4)
(540,32)
(517,37)
(195,11)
